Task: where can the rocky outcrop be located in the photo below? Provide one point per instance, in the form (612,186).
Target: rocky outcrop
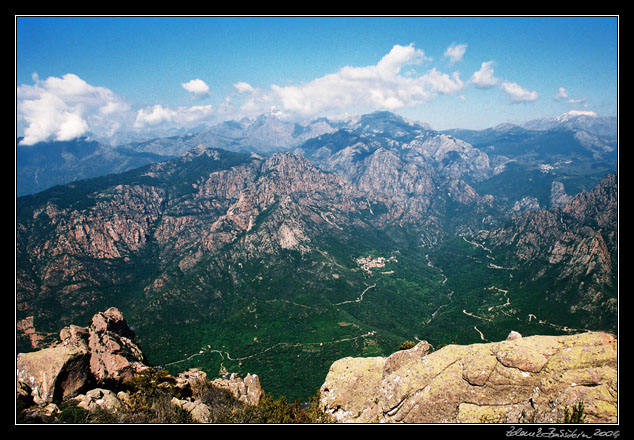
(99,398)
(531,379)
(55,372)
(102,352)
(247,390)
(89,368)
(113,355)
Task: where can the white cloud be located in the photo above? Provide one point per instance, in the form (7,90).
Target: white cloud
(196,113)
(243,87)
(517,93)
(562,93)
(197,87)
(442,82)
(64,108)
(484,77)
(181,116)
(577,100)
(455,52)
(370,87)
(156,115)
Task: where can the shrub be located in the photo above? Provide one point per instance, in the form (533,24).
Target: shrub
(407,345)
(73,414)
(273,411)
(578,414)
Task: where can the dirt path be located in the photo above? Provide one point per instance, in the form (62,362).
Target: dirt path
(279,344)
(358,300)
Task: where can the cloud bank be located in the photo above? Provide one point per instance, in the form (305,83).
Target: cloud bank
(65,108)
(380,86)
(68,107)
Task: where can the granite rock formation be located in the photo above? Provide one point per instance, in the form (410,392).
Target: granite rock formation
(100,353)
(519,380)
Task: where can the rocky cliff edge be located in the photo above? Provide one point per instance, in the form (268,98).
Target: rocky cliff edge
(520,380)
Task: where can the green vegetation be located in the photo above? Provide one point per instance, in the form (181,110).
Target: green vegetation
(577,415)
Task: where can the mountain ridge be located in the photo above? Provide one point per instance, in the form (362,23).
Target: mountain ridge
(265,134)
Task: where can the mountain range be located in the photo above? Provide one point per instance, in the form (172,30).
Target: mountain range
(551,142)
(354,238)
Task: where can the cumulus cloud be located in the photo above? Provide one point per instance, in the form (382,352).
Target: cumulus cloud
(484,77)
(197,87)
(155,115)
(182,116)
(517,93)
(382,86)
(64,108)
(562,93)
(455,52)
(243,87)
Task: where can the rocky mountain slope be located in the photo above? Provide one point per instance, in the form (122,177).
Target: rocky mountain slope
(47,164)
(429,174)
(202,248)
(571,152)
(572,250)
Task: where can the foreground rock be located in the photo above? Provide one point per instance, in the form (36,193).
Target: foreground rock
(87,366)
(520,380)
(247,390)
(103,352)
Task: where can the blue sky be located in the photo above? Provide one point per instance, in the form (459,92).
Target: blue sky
(114,75)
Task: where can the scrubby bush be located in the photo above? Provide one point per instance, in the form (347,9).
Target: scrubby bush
(577,415)
(407,345)
(270,410)
(73,414)
(225,408)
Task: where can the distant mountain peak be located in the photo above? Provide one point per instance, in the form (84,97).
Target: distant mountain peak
(588,121)
(575,113)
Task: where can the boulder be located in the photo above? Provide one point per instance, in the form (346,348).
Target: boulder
(247,390)
(198,410)
(98,398)
(522,379)
(54,373)
(189,382)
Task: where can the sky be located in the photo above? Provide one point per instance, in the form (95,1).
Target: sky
(112,77)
